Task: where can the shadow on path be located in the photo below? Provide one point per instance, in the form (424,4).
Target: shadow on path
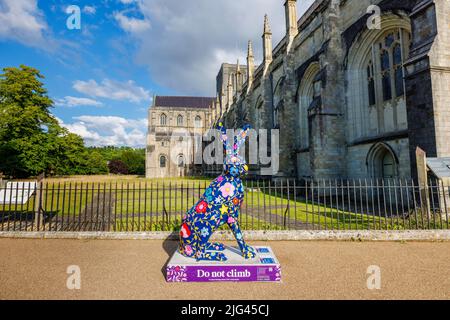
(170,246)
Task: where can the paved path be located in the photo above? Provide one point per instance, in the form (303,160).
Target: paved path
(311,270)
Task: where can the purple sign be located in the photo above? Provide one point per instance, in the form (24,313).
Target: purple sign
(264,268)
(251,273)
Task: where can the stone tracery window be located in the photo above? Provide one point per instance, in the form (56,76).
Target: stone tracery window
(375,89)
(385,68)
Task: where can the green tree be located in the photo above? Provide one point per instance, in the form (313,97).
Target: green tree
(32,141)
(26,124)
(96,163)
(134,160)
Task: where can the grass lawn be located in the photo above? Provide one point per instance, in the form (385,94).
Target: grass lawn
(156,223)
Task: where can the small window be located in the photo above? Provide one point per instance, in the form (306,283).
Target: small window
(163,120)
(198,122)
(162,161)
(180,120)
(181,161)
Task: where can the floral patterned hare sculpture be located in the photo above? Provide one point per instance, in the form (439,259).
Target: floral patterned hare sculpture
(219,204)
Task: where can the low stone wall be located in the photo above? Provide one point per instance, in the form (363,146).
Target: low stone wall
(300,235)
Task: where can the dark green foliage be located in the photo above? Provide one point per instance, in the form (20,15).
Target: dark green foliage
(133,159)
(117,167)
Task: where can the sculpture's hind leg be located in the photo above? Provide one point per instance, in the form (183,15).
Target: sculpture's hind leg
(188,241)
(217,246)
(205,230)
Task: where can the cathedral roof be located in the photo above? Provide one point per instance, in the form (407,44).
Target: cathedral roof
(184,102)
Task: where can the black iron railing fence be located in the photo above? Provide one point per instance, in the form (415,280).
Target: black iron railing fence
(282,205)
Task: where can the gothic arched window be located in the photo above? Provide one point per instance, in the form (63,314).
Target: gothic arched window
(386,72)
(180,120)
(198,122)
(308,91)
(258,108)
(163,120)
(277,101)
(181,161)
(162,161)
(375,88)
(381,161)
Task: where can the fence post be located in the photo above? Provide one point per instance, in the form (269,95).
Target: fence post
(38,217)
(1,179)
(422,176)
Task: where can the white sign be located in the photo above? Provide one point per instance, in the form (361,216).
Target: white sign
(17,192)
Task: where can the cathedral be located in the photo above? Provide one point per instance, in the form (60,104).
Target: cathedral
(354,87)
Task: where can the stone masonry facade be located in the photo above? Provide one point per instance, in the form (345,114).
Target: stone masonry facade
(354,87)
(352,98)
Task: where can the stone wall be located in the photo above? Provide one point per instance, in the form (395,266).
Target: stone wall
(343,128)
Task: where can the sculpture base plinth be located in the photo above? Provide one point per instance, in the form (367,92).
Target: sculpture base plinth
(263,268)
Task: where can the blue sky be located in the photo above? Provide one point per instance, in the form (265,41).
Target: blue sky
(102,77)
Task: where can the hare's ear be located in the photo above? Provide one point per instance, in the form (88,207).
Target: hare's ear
(241,135)
(223,133)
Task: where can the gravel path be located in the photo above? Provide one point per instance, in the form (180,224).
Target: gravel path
(37,269)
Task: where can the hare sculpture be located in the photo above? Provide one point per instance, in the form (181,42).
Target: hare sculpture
(219,205)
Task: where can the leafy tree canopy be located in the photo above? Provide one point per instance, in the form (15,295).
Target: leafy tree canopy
(32,141)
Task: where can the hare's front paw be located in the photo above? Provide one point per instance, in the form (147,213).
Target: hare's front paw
(212,256)
(248,252)
(215,246)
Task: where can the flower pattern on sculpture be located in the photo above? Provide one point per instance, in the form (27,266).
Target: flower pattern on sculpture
(204,232)
(209,197)
(188,250)
(227,190)
(185,232)
(201,207)
(219,205)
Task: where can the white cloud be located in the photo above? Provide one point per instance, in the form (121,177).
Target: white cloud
(89,9)
(109,130)
(22,21)
(69,101)
(186,43)
(114,90)
(131,24)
